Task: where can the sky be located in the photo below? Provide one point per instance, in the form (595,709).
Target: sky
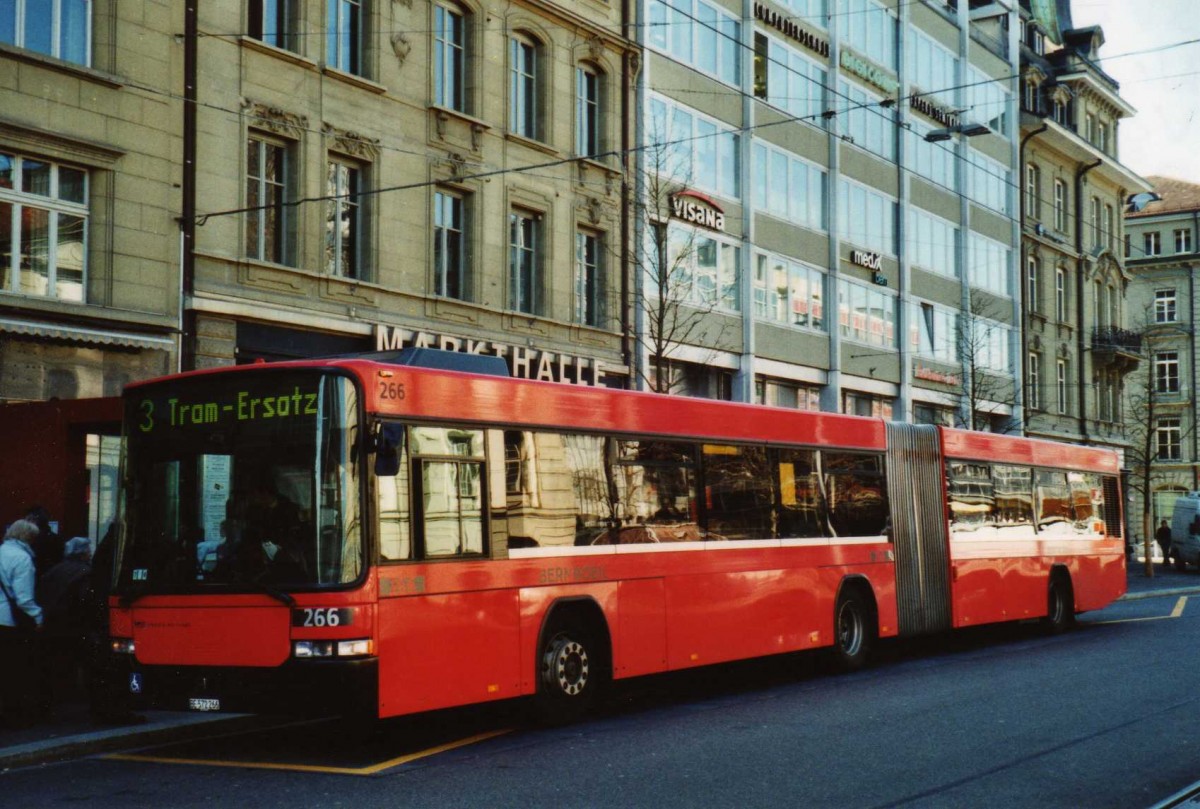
(1163,83)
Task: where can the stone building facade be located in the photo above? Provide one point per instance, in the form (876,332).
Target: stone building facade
(89,198)
(373,175)
(1080,339)
(1162,227)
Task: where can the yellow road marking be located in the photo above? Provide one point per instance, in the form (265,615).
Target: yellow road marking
(263,765)
(1175,613)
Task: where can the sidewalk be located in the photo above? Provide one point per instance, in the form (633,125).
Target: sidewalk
(70,732)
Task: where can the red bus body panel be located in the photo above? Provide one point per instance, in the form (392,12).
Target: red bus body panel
(457,632)
(1006,580)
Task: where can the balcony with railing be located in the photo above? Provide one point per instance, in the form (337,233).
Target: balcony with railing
(1117,348)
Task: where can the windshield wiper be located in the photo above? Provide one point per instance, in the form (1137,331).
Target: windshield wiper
(271,590)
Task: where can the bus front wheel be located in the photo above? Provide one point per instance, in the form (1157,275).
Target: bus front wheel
(571,671)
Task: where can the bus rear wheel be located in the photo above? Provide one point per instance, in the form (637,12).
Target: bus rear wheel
(571,672)
(1060,607)
(853,631)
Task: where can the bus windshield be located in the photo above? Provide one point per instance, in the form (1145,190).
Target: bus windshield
(242,481)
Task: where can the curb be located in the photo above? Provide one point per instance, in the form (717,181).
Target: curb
(170,727)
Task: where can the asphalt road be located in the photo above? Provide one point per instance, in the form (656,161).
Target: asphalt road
(1107,715)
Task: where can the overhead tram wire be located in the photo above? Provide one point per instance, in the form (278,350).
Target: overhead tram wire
(873,106)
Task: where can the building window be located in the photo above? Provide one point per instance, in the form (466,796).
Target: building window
(1097,235)
(1151,244)
(1033,269)
(589,278)
(450,266)
(1168,439)
(1110,230)
(777,393)
(869,217)
(1030,97)
(523,101)
(1165,304)
(684,145)
(58,28)
(1060,206)
(587,111)
(787,291)
(1089,128)
(1183,240)
(273,22)
(1166,372)
(933,332)
(788,186)
(1061,386)
(343,220)
(1060,294)
(1102,137)
(525,262)
(449,58)
(1033,191)
(267,221)
(344,32)
(699,34)
(863,404)
(787,79)
(932,414)
(43,228)
(866,315)
(1035,381)
(698,269)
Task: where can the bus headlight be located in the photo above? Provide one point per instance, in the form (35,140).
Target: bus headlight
(121,646)
(355,648)
(359,647)
(312,648)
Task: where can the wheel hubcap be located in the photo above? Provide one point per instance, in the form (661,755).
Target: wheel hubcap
(850,630)
(567,666)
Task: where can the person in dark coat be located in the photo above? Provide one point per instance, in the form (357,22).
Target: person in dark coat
(1163,537)
(65,594)
(47,545)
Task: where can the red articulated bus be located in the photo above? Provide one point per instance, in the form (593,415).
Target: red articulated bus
(358,535)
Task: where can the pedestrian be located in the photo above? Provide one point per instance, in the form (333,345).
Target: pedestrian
(1163,537)
(20,625)
(64,594)
(48,545)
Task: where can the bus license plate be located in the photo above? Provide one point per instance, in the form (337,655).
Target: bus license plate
(198,704)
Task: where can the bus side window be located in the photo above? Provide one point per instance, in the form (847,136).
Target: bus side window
(855,493)
(737,492)
(449,490)
(798,506)
(395,518)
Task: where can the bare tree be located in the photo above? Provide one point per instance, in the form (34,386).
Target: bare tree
(675,304)
(986,390)
(1146,394)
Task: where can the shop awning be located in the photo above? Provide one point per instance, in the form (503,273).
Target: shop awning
(79,334)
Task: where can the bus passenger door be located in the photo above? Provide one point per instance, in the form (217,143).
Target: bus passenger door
(916,495)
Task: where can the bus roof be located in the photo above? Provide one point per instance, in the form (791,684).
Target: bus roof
(968,444)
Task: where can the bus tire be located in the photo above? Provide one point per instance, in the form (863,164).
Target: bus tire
(1060,604)
(572,669)
(854,630)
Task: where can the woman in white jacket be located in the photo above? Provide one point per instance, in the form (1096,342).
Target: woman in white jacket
(20,621)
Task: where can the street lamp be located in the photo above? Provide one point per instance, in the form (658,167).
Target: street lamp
(967,130)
